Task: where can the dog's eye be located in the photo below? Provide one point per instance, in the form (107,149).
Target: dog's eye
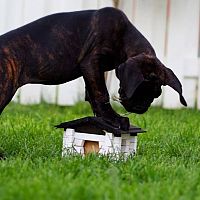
(152,77)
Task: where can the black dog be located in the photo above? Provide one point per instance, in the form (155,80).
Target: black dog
(62,47)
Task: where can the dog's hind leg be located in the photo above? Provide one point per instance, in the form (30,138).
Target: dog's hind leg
(8,85)
(5,98)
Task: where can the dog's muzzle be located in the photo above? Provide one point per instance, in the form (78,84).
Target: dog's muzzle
(141,99)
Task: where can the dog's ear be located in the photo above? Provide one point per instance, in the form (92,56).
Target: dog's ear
(136,69)
(169,78)
(130,76)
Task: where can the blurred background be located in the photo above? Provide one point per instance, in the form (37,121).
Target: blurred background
(171,26)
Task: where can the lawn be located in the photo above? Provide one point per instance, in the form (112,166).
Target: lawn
(167,165)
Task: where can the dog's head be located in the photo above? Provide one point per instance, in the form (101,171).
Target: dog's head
(141,78)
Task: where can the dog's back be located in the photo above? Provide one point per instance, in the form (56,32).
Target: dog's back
(47,46)
(69,20)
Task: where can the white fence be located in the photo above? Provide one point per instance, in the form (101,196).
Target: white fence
(171,26)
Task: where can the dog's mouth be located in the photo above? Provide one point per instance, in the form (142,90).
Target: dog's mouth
(133,107)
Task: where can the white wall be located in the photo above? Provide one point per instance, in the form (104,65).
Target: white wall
(171,26)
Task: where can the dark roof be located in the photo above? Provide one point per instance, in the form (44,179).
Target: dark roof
(96,125)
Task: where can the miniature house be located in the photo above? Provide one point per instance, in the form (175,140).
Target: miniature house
(93,135)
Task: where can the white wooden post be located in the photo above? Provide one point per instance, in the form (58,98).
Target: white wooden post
(11,20)
(104,3)
(13,15)
(150,20)
(129,7)
(49,93)
(89,4)
(182,43)
(31,94)
(55,6)
(71,92)
(149,17)
(65,94)
(3,16)
(191,83)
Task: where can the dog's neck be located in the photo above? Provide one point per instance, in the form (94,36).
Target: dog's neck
(135,43)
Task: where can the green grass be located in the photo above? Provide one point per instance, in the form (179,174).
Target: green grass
(167,165)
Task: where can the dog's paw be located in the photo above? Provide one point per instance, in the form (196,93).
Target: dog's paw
(119,122)
(124,123)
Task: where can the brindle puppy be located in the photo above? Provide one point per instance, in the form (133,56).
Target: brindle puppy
(62,47)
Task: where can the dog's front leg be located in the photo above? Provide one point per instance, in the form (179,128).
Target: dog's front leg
(98,96)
